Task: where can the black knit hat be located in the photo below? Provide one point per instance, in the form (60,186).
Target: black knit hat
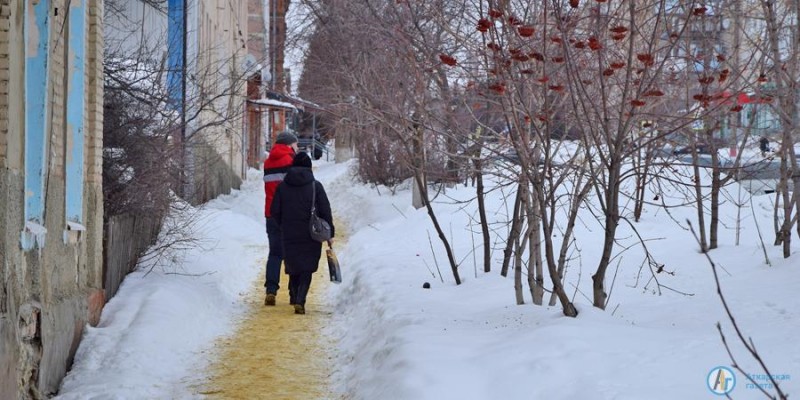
(302,160)
(286,138)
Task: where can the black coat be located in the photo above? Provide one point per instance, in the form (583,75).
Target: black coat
(291,209)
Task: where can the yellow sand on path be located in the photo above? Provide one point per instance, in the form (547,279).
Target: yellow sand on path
(276,354)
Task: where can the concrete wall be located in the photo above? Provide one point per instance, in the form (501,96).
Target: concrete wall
(216,94)
(212,174)
(255,124)
(51,289)
(136,30)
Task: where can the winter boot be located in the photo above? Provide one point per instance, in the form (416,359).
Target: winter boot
(270,299)
(299,309)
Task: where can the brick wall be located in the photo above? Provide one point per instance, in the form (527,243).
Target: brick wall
(7,353)
(94,97)
(93,156)
(5,24)
(277,42)
(56,106)
(256,31)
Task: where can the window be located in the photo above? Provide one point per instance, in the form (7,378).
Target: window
(36,33)
(75,94)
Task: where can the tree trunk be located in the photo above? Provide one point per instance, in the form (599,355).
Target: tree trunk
(521,242)
(787,103)
(639,196)
(421,185)
(611,221)
(535,273)
(716,187)
(562,254)
(451,166)
(487,249)
(442,237)
(698,192)
(784,233)
(516,227)
(558,289)
(642,165)
(419,161)
(518,269)
(792,155)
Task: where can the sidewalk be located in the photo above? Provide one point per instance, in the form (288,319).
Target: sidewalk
(173,325)
(275,354)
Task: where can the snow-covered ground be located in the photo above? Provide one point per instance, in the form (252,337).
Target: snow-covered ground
(398,340)
(152,338)
(473,342)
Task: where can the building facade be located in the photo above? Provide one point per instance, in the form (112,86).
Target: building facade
(277,44)
(135,30)
(208,68)
(256,122)
(51,209)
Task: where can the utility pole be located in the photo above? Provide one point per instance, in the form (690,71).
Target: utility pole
(185,178)
(177,12)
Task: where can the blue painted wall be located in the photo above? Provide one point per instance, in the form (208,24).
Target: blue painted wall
(75,110)
(36,29)
(175,50)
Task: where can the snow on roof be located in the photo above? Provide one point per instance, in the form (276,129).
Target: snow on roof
(273,103)
(307,103)
(299,103)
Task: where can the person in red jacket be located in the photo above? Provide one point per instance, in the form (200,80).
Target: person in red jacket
(275,168)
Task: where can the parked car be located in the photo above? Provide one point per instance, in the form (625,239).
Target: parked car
(703,160)
(314,147)
(665,151)
(700,148)
(764,169)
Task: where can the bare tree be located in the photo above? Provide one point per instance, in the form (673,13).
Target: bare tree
(581,97)
(782,55)
(144,157)
(374,86)
(619,69)
(748,343)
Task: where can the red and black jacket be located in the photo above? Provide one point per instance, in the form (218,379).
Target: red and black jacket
(275,168)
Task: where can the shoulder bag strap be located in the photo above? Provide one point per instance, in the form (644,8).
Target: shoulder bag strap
(313,197)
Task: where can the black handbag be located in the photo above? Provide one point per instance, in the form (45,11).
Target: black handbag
(320,229)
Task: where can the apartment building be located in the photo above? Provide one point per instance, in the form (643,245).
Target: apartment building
(213,66)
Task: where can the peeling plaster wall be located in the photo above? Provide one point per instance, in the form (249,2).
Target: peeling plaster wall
(50,292)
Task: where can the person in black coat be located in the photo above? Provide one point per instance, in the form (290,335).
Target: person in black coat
(763,145)
(291,209)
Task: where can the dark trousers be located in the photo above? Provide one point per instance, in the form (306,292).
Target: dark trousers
(299,284)
(275,257)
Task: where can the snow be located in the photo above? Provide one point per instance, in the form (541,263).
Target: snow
(33,236)
(152,335)
(273,103)
(471,341)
